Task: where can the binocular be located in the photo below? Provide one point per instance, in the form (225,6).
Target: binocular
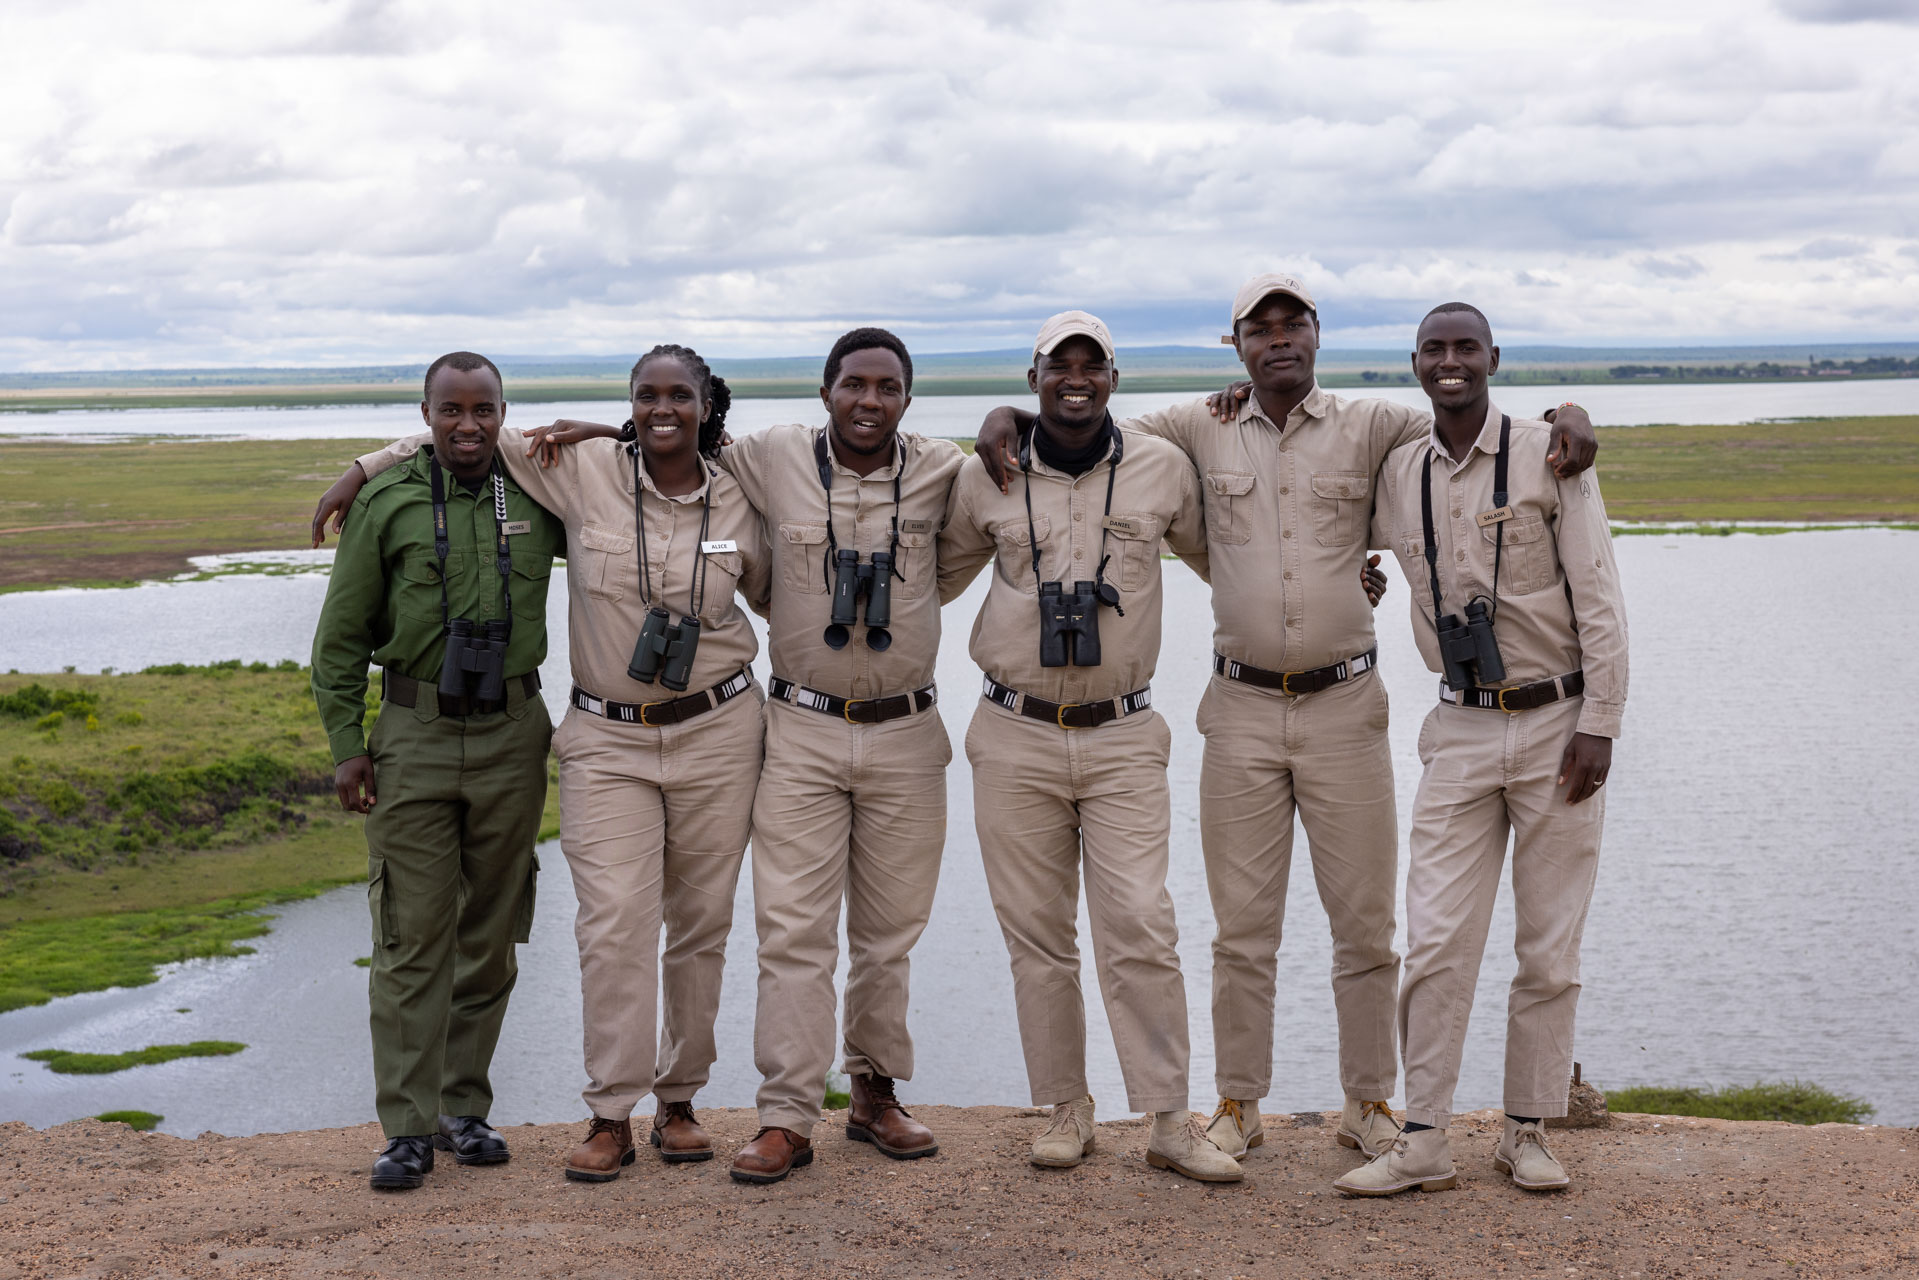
(1467,650)
(851,580)
(665,649)
(475,664)
(1069,622)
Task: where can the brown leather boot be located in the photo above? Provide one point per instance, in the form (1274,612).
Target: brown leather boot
(677,1133)
(771,1155)
(876,1116)
(608,1149)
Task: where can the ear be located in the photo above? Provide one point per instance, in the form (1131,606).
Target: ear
(1495,364)
(1115,372)
(826,399)
(426,415)
(1032,379)
(1315,316)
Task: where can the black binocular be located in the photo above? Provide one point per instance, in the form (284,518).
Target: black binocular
(1468,651)
(1069,622)
(851,580)
(665,649)
(475,664)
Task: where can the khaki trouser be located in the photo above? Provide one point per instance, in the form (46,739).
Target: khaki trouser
(853,811)
(1046,800)
(1325,756)
(450,875)
(1488,773)
(653,822)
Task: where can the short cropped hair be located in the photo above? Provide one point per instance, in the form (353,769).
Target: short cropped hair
(1445,307)
(465,362)
(867,339)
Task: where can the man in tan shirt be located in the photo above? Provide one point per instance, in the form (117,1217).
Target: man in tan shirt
(1069,758)
(1294,718)
(1516,602)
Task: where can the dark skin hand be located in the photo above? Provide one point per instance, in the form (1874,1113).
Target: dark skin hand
(353,782)
(1583,769)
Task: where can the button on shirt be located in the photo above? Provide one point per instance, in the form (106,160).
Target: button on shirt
(1286,520)
(779,472)
(1155,496)
(591,492)
(1560,608)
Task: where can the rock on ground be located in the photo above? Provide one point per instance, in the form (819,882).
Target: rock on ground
(1653,1197)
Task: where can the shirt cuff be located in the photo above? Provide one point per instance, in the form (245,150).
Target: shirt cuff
(1601,719)
(347,743)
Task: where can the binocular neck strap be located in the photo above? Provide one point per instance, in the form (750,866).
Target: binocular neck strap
(639,536)
(1500,497)
(1032,534)
(503,551)
(825,465)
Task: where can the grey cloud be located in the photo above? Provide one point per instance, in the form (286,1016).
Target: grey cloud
(1680,267)
(54,216)
(1532,280)
(1850,10)
(1825,249)
(1342,32)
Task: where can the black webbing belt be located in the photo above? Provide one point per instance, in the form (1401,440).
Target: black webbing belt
(1068,715)
(1295,683)
(1517,697)
(854,710)
(655,715)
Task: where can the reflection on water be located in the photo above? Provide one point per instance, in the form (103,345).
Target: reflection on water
(1755,915)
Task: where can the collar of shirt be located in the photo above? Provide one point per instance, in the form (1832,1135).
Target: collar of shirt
(1487,442)
(1312,408)
(421,465)
(1039,467)
(886,472)
(646,482)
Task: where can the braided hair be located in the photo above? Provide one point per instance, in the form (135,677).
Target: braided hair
(713,391)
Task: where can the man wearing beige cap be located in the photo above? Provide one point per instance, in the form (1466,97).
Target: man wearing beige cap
(1069,758)
(1516,603)
(1295,717)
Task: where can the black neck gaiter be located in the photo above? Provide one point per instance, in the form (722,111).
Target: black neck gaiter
(1076,462)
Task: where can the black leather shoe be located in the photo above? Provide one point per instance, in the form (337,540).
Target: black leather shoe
(470,1140)
(403,1165)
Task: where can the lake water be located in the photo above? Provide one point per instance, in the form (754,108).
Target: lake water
(1757,914)
(1610,405)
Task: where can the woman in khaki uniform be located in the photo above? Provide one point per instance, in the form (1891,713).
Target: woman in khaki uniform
(661,748)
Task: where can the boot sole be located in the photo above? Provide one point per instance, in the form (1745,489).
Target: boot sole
(574,1174)
(1446,1183)
(398,1183)
(800,1161)
(1041,1163)
(860,1133)
(1505,1167)
(441,1143)
(1159,1161)
(678,1157)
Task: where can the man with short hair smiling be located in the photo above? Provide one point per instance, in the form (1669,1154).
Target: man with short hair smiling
(1532,692)
(443,561)
(1069,758)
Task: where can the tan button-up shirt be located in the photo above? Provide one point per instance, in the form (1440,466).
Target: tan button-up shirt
(779,472)
(1155,496)
(1560,608)
(591,491)
(1287,510)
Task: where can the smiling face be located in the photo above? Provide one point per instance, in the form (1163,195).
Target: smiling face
(1278,342)
(463,410)
(1073,383)
(1454,358)
(866,401)
(667,408)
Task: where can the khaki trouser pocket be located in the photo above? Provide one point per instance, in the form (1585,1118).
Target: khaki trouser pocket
(377,905)
(523,919)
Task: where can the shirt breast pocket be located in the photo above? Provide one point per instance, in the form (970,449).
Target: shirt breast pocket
(802,555)
(915,564)
(531,571)
(1229,502)
(723,570)
(1412,563)
(419,582)
(1015,551)
(606,557)
(1135,549)
(1342,506)
(1526,561)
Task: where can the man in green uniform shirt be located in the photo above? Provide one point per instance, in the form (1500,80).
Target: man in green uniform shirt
(443,560)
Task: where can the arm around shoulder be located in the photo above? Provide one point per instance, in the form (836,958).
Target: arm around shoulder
(1598,601)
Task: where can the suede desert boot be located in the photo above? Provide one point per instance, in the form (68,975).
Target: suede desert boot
(1423,1159)
(1523,1154)
(1235,1127)
(1068,1137)
(1180,1144)
(1367,1126)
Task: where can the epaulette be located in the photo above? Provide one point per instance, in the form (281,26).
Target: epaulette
(399,474)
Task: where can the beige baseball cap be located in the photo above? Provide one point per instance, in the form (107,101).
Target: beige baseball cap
(1069,324)
(1255,291)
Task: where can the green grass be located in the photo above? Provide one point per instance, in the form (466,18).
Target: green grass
(68,1063)
(837,1097)
(138,1121)
(1794,1102)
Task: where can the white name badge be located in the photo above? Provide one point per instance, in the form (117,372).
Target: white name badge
(716,547)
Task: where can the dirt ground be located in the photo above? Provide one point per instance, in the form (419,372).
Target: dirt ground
(1652,1198)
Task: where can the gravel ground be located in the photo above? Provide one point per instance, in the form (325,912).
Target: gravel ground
(1651,1197)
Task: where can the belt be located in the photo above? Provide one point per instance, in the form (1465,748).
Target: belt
(404,691)
(854,710)
(1295,683)
(1518,697)
(1068,715)
(655,715)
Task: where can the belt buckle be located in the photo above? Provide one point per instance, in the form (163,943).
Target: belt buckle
(646,707)
(1059,715)
(847,709)
(1500,702)
(1286,682)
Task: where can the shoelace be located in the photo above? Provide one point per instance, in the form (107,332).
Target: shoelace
(602,1125)
(678,1111)
(1230,1107)
(1367,1110)
(880,1089)
(1527,1133)
(1195,1131)
(1063,1119)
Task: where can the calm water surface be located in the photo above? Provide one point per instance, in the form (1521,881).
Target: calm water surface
(1755,916)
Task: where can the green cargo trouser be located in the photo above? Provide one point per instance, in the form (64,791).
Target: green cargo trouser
(450,872)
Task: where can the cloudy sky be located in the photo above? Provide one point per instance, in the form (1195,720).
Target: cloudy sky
(334,181)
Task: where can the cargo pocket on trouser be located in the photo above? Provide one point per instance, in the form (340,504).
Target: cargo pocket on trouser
(523,920)
(377,905)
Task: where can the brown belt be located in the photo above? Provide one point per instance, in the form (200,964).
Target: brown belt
(674,711)
(1295,683)
(404,691)
(1517,697)
(1068,715)
(854,710)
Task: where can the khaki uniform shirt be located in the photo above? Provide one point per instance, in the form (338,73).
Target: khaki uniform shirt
(779,473)
(1287,509)
(591,492)
(1559,607)
(1155,496)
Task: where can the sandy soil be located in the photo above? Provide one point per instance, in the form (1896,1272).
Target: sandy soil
(1652,1198)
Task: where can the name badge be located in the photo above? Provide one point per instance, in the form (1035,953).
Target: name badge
(1125,526)
(719,545)
(916,526)
(517,526)
(1497,514)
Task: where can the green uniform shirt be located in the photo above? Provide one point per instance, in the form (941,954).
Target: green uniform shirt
(383,602)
